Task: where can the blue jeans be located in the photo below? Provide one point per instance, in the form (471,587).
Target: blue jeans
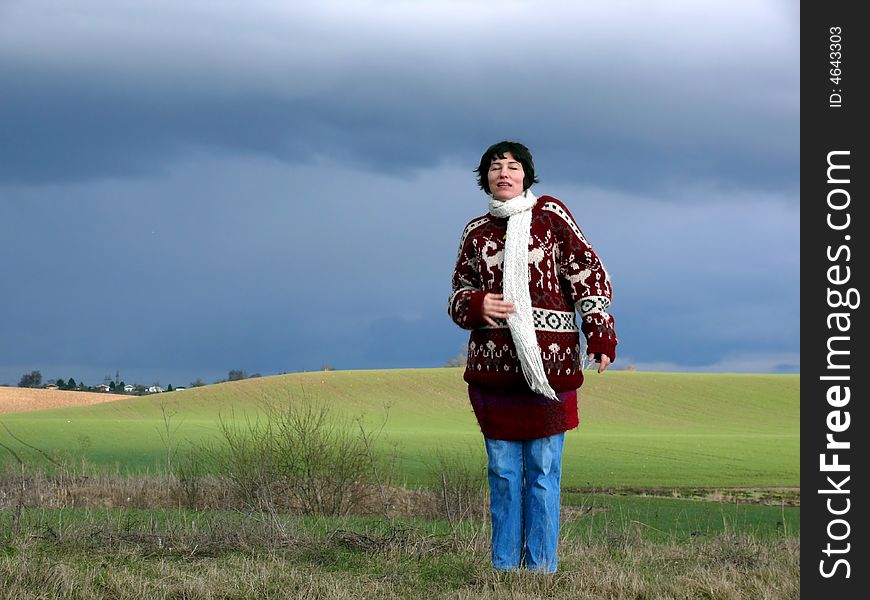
(524,480)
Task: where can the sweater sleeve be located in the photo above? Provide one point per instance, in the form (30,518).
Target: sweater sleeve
(586,281)
(465,306)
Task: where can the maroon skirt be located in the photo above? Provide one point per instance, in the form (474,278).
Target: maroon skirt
(522,414)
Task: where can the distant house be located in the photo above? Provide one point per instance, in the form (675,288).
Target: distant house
(181,387)
(129,388)
(103,387)
(51,386)
(154,389)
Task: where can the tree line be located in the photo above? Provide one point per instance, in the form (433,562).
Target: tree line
(33,379)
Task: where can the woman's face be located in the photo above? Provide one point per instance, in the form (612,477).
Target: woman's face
(506,177)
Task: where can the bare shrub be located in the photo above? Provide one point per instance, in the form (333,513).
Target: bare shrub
(461,487)
(192,485)
(296,457)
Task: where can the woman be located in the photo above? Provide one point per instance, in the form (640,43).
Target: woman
(522,270)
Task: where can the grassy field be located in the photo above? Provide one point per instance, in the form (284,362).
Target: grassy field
(662,496)
(637,429)
(127,554)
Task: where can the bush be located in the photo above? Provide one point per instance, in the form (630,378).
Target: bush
(461,486)
(295,457)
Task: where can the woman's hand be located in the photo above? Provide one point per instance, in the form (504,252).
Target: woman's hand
(495,307)
(603,360)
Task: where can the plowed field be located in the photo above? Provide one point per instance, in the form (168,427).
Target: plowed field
(28,399)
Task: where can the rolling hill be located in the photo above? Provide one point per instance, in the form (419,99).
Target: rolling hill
(637,429)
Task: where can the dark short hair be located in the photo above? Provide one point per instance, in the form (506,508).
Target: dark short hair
(520,152)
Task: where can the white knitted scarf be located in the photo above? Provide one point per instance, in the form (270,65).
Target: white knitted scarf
(518,211)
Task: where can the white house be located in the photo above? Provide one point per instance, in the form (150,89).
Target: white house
(154,389)
(129,388)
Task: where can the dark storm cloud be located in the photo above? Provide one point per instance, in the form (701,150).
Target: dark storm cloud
(683,96)
(93,133)
(188,188)
(222,264)
(699,273)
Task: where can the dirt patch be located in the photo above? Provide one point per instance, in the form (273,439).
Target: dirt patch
(28,399)
(779,496)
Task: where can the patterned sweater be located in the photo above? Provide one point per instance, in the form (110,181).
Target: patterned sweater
(565,274)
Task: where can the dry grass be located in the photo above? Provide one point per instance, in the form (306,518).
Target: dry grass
(209,556)
(85,551)
(89,488)
(29,399)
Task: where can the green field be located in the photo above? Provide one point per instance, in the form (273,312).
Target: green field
(646,430)
(704,439)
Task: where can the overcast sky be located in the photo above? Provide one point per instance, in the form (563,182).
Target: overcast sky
(188,188)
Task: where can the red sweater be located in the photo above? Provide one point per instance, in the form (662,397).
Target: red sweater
(565,275)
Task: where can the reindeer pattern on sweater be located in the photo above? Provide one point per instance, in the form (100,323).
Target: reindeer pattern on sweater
(566,277)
